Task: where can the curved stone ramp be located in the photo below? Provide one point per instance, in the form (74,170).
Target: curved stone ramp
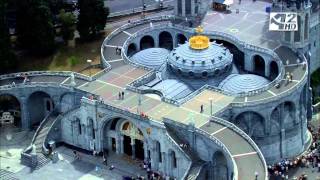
(246,153)
(118,37)
(58,77)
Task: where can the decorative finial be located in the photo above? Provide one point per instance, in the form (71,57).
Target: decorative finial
(199,29)
(199,41)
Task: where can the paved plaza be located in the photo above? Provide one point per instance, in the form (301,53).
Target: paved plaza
(88,167)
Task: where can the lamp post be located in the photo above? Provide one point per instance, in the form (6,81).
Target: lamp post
(211,106)
(89,61)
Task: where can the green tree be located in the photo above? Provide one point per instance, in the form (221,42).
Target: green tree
(7,57)
(34,27)
(68,21)
(92,18)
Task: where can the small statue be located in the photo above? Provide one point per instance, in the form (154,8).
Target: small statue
(72,80)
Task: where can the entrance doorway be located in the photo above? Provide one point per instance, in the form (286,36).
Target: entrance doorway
(139,149)
(113,144)
(127,149)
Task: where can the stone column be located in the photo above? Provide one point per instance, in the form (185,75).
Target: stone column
(119,144)
(248,62)
(145,148)
(133,147)
(283,143)
(154,156)
(156,40)
(25,118)
(183,14)
(192,7)
(267,126)
(164,162)
(266,68)
(302,22)
(56,102)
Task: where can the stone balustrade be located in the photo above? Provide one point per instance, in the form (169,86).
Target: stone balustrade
(45,73)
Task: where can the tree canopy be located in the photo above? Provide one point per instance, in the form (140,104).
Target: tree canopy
(67,20)
(34,28)
(7,57)
(92,18)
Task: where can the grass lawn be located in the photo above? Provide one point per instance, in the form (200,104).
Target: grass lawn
(66,58)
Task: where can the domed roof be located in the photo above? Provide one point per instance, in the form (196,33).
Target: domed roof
(151,57)
(238,83)
(210,61)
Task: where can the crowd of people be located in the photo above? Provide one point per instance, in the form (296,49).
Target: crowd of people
(311,159)
(151,175)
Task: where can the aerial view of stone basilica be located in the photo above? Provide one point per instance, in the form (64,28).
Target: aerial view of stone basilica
(200,94)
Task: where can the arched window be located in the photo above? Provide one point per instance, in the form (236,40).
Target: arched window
(204,73)
(146,42)
(114,124)
(79,126)
(165,40)
(259,65)
(158,150)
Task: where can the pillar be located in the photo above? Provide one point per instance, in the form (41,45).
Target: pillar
(248,62)
(156,40)
(164,162)
(183,14)
(267,122)
(119,144)
(56,102)
(133,147)
(25,118)
(267,68)
(145,148)
(283,143)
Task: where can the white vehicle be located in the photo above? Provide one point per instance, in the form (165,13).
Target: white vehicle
(6,118)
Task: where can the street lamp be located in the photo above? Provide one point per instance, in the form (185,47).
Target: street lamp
(211,106)
(89,61)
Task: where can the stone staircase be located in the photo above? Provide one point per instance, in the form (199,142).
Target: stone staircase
(7,175)
(195,170)
(197,163)
(40,137)
(34,156)
(43,132)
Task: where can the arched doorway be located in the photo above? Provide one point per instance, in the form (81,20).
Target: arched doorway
(220,166)
(40,105)
(181,39)
(132,49)
(274,71)
(10,108)
(132,140)
(289,111)
(165,40)
(258,65)
(251,123)
(238,56)
(146,42)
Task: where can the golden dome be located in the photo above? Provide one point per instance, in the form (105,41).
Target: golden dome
(199,41)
